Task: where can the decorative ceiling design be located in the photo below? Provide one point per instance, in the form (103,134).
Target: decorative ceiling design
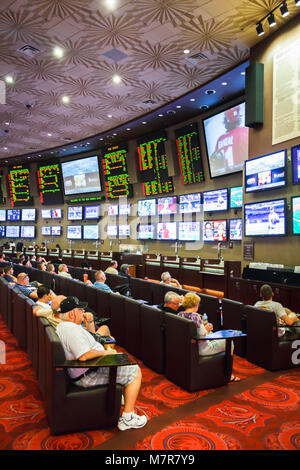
(142,41)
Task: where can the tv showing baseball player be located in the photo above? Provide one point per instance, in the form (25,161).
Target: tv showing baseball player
(235,229)
(265,218)
(215,200)
(226,140)
(166,231)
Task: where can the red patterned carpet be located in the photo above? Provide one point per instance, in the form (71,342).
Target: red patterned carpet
(268,413)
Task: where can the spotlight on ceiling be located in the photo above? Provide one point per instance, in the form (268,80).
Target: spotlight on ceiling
(58,52)
(117,79)
(271,20)
(9,79)
(65,99)
(284,10)
(260,29)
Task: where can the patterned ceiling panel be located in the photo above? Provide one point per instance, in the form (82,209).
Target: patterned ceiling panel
(142,41)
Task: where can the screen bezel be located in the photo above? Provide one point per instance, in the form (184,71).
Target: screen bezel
(213,191)
(70,238)
(71,207)
(258,158)
(87,192)
(205,140)
(266,235)
(292,205)
(236,207)
(215,241)
(292,158)
(91,218)
(234,239)
(189,212)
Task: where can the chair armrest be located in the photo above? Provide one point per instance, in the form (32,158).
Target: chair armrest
(111,360)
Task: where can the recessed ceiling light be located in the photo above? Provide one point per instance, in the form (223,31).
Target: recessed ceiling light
(7,123)
(52,153)
(88,143)
(160,115)
(58,52)
(111,4)
(101,138)
(210,92)
(117,79)
(224,83)
(128,129)
(243,73)
(144,122)
(75,146)
(64,150)
(109,116)
(192,99)
(115,134)
(178,106)
(9,79)
(186,51)
(5,148)
(65,99)
(49,134)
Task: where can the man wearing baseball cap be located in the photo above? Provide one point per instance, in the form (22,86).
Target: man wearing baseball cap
(79,345)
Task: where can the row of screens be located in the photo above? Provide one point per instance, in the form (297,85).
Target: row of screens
(267,218)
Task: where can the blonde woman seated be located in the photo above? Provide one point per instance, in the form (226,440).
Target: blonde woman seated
(209,347)
(167,279)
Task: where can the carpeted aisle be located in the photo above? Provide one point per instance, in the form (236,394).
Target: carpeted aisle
(242,419)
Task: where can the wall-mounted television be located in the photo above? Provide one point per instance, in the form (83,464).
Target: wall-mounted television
(90,232)
(124,209)
(81,176)
(236,197)
(167,231)
(189,203)
(2,215)
(56,230)
(146,207)
(215,231)
(46,213)
(27,231)
(235,229)
(189,231)
(56,213)
(75,213)
(167,205)
(91,212)
(13,214)
(266,172)
(113,209)
(296,214)
(124,231)
(145,231)
(13,231)
(74,232)
(295,151)
(215,200)
(226,139)
(46,230)
(2,231)
(266,218)
(112,231)
(28,215)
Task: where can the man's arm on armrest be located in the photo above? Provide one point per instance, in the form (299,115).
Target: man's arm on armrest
(289,319)
(94,353)
(33,295)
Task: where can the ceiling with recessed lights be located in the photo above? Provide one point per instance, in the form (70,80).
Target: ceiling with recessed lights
(79,68)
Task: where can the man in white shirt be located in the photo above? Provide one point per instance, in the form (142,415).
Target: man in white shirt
(284,315)
(64,271)
(112,267)
(79,345)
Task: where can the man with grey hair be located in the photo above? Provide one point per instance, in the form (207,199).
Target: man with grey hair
(172,302)
(100,279)
(166,278)
(79,345)
(64,271)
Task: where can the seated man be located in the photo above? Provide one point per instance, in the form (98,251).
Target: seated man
(50,268)
(112,267)
(124,271)
(167,279)
(2,257)
(41,266)
(284,315)
(100,279)
(79,345)
(172,302)
(8,274)
(64,271)
(23,286)
(1,272)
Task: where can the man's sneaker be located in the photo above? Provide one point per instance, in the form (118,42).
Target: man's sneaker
(135,422)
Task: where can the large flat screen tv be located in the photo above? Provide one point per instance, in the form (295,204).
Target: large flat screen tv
(75,213)
(74,232)
(124,209)
(2,231)
(56,213)
(296,214)
(145,231)
(189,203)
(167,205)
(28,215)
(2,215)
(267,218)
(56,230)
(13,231)
(189,231)
(90,232)
(46,213)
(146,207)
(46,230)
(235,229)
(167,231)
(226,140)
(91,212)
(215,231)
(113,209)
(112,231)
(124,231)
(266,172)
(236,197)
(215,200)
(13,214)
(28,231)
(81,176)
(296,163)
